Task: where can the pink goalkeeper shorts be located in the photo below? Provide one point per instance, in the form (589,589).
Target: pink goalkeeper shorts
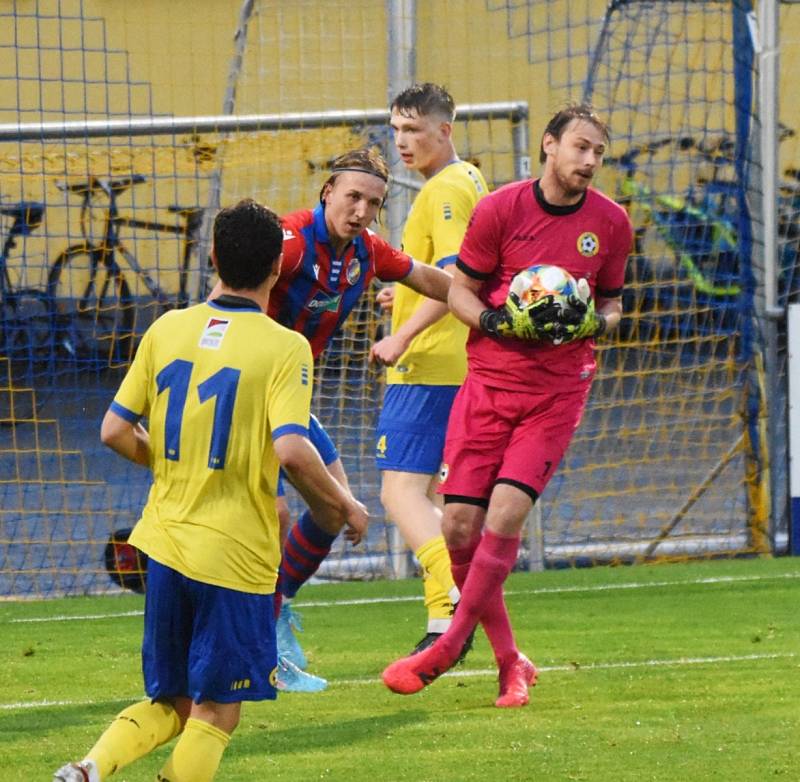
(517,437)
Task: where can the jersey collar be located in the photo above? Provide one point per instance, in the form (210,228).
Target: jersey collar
(552,208)
(446,165)
(320,226)
(228,301)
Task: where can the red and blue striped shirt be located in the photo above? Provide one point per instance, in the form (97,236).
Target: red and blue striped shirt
(316,291)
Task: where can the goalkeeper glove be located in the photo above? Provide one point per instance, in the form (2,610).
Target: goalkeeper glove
(579,318)
(541,322)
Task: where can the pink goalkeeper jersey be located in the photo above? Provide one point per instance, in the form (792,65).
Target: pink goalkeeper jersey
(514,228)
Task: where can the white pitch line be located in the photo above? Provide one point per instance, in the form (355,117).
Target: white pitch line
(464,674)
(48,704)
(577,667)
(416,598)
(67,618)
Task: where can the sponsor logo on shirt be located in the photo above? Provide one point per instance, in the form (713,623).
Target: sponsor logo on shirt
(448,212)
(287,234)
(304,375)
(523,238)
(213,333)
(322,302)
(588,244)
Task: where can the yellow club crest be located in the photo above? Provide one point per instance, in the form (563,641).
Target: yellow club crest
(588,244)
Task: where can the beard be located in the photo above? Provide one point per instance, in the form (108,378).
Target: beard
(574,185)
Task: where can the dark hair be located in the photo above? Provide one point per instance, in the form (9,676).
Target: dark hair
(365,159)
(427,98)
(248,240)
(559,122)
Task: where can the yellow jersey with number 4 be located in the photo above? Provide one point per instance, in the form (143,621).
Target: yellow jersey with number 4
(216,382)
(432,234)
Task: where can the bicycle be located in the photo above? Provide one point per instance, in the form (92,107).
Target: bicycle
(26,325)
(684,274)
(95,310)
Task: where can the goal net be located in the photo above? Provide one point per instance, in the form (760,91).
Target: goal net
(671,460)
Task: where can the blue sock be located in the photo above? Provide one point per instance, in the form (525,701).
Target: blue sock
(306,546)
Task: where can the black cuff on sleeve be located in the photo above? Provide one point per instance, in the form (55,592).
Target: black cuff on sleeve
(470,272)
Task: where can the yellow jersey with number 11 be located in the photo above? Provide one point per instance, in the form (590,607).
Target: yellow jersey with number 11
(216,382)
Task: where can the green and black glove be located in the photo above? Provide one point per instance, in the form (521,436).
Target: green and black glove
(579,318)
(537,323)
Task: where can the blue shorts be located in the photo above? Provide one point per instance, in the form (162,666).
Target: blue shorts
(412,426)
(321,440)
(205,641)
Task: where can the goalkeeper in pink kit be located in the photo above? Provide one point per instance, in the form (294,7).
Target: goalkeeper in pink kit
(529,375)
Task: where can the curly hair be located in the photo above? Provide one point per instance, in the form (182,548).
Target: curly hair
(248,240)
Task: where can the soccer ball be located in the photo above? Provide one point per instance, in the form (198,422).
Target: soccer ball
(531,285)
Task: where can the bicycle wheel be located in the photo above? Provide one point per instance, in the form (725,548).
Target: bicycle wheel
(93,308)
(26,354)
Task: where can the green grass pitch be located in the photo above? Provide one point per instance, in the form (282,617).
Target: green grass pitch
(674,672)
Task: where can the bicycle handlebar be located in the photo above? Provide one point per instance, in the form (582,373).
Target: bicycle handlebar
(102,184)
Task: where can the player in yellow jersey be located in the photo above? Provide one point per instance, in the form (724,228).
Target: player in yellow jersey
(226,392)
(425,352)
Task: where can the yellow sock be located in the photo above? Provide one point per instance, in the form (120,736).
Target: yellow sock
(135,731)
(440,589)
(197,754)
(437,603)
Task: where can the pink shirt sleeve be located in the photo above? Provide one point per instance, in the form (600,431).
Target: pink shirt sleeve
(611,277)
(480,250)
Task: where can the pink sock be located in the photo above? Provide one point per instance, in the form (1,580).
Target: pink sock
(460,560)
(497,626)
(482,596)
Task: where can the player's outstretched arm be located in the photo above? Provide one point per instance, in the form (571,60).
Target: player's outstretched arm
(428,280)
(331,505)
(129,440)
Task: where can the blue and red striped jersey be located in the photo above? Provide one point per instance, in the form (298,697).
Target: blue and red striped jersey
(317,291)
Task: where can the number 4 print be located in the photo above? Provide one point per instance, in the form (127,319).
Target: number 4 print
(222,385)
